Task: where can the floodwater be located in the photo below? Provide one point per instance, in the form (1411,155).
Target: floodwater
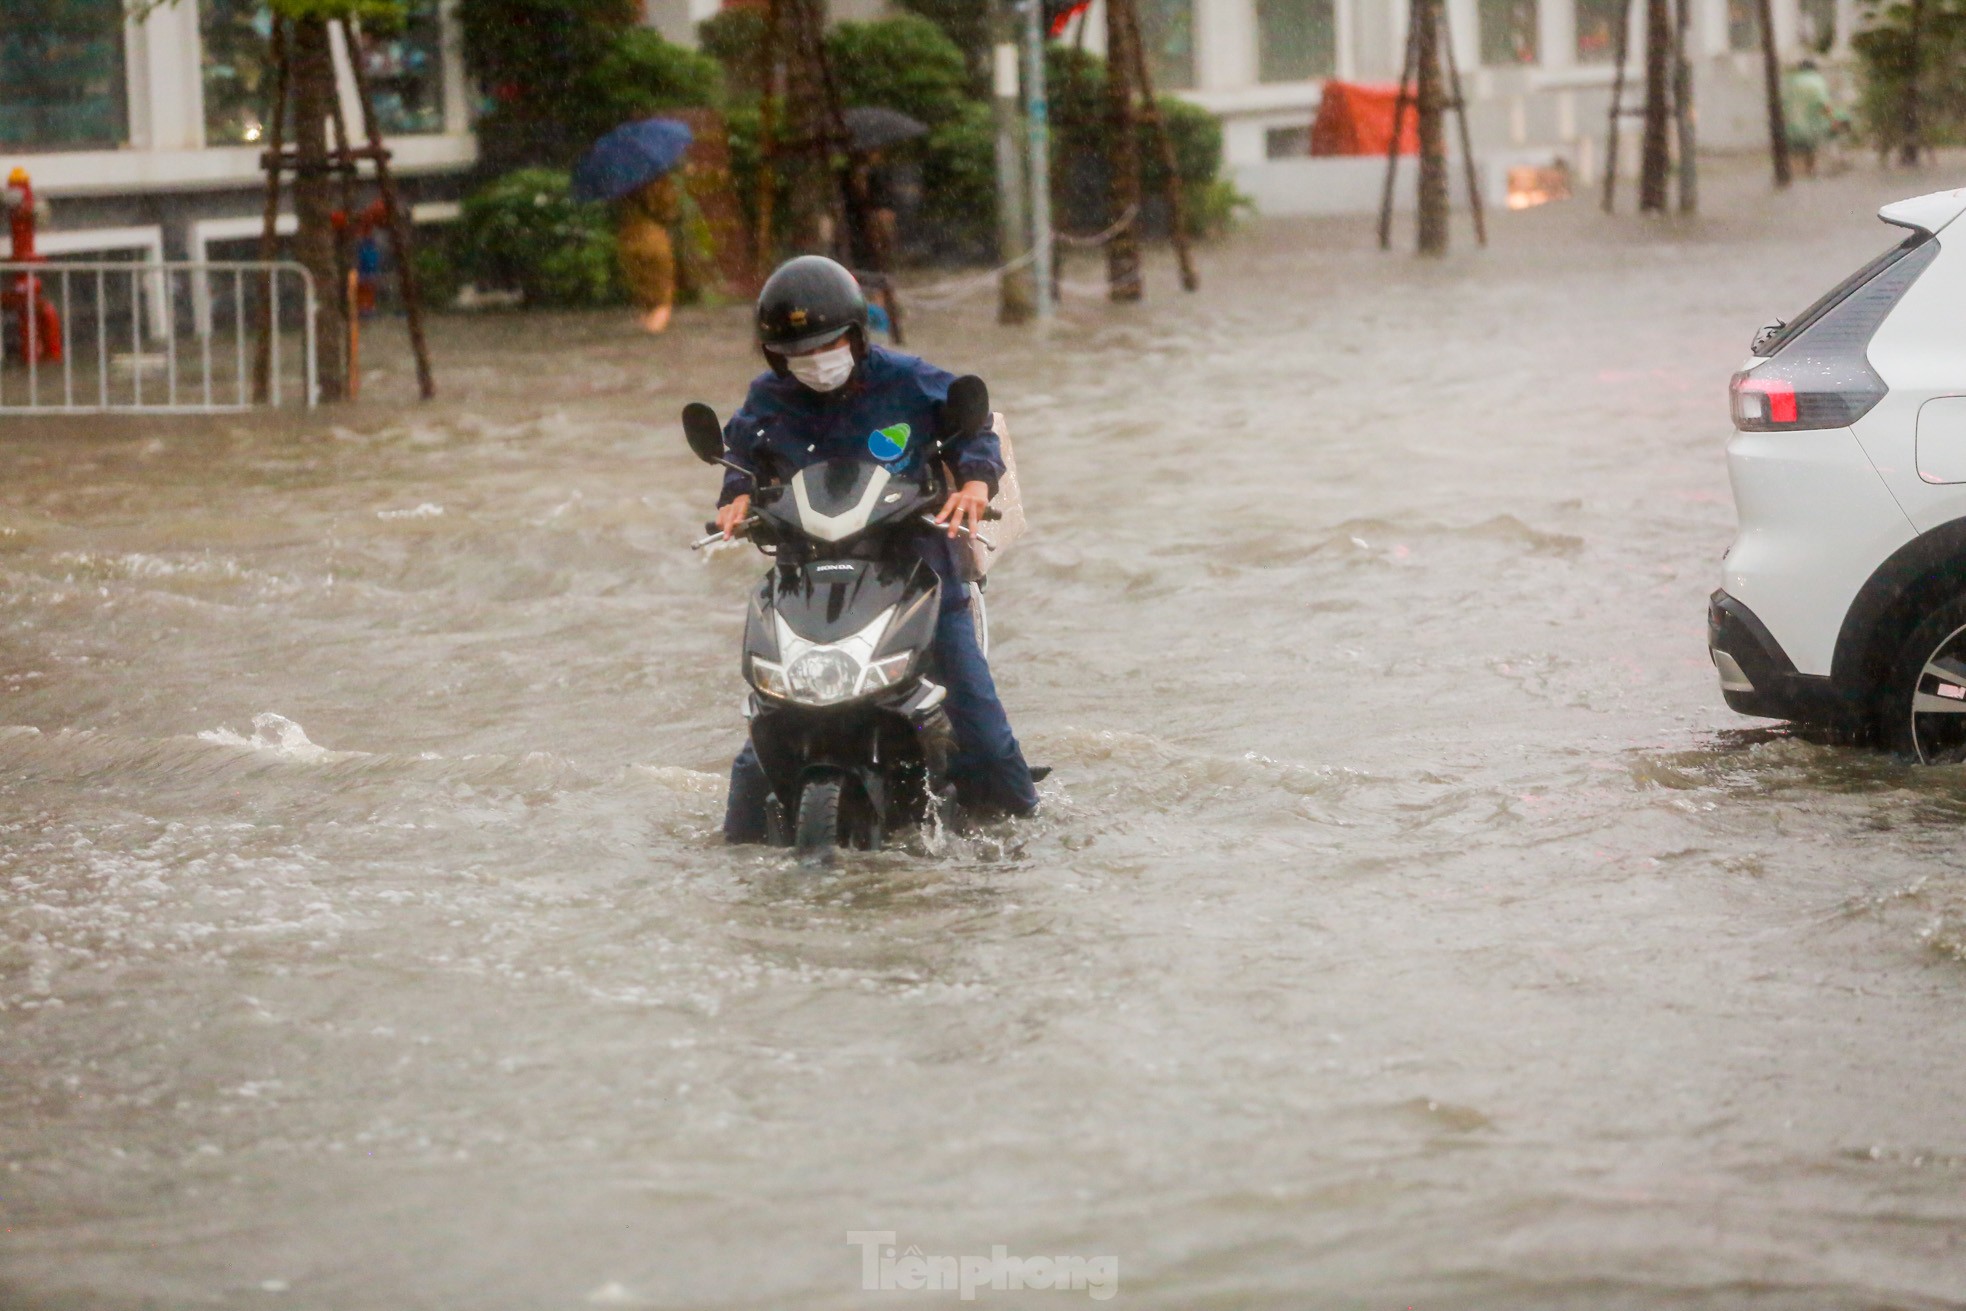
(1408,923)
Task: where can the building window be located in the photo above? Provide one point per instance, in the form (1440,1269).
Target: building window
(406,73)
(1508,32)
(1295,40)
(1597,31)
(1743,25)
(237,68)
(1287,143)
(61,74)
(1167,33)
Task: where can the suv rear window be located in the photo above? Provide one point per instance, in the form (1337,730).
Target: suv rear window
(1842,291)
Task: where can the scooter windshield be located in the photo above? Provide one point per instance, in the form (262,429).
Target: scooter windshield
(835,500)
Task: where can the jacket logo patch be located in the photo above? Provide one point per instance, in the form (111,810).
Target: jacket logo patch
(890,442)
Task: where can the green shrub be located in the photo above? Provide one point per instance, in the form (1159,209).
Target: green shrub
(435,267)
(644,74)
(524,232)
(967,25)
(735,38)
(1082,146)
(1888,59)
(903,63)
(560,73)
(959,183)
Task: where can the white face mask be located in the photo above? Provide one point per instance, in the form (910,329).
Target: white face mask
(825,370)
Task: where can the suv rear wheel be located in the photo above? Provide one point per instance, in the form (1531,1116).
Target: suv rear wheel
(1921,709)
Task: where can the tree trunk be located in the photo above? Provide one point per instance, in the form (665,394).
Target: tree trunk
(1123,202)
(1771,77)
(1432,98)
(1655,157)
(1909,148)
(314,234)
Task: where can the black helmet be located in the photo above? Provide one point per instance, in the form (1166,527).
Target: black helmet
(808,302)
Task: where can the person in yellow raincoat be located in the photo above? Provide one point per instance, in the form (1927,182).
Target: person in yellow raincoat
(646,251)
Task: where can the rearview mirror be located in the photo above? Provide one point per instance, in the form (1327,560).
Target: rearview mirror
(705,434)
(968,406)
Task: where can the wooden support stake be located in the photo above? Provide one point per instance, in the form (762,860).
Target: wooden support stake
(1429,96)
(1170,166)
(1682,108)
(1621,47)
(1461,116)
(1400,102)
(399,235)
(1123,184)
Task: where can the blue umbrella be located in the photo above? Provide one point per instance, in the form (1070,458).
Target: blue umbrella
(629,156)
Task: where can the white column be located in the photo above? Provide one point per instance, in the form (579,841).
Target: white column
(457,82)
(136,82)
(1710,28)
(1464,26)
(1788,25)
(166,95)
(1556,33)
(1344,40)
(1225,44)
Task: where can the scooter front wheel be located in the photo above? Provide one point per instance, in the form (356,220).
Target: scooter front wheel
(818,829)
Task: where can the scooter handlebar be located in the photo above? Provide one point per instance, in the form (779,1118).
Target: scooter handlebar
(988,545)
(743,529)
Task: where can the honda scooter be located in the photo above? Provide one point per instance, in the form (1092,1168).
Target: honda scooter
(850,730)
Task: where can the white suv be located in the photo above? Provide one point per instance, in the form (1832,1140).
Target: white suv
(1844,597)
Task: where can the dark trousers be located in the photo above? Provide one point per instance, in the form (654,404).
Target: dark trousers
(987,768)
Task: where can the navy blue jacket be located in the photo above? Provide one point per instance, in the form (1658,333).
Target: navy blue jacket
(887,412)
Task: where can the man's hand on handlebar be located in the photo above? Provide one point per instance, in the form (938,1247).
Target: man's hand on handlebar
(964,509)
(730,516)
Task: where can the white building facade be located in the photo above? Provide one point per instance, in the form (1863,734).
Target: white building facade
(145,132)
(1537,75)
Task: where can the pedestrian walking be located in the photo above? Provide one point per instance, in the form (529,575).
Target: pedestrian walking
(646,251)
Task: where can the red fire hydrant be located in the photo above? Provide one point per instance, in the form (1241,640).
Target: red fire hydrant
(37,320)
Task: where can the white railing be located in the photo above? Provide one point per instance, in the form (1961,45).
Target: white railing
(177,336)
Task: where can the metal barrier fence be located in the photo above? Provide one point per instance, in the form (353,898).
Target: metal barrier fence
(173,337)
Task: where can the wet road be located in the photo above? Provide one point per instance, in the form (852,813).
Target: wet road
(1409,922)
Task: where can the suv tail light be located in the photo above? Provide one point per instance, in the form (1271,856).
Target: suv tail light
(1816,374)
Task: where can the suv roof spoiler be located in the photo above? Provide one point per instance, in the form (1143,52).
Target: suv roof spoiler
(1926,214)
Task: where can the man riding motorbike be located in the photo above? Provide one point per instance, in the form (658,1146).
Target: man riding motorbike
(830,394)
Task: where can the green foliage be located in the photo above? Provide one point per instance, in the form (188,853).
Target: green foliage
(735,38)
(967,24)
(437,278)
(959,181)
(379,15)
(539,62)
(644,74)
(905,63)
(1082,143)
(525,232)
(1889,59)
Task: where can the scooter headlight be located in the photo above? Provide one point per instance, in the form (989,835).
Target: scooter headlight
(885,673)
(823,676)
(769,678)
